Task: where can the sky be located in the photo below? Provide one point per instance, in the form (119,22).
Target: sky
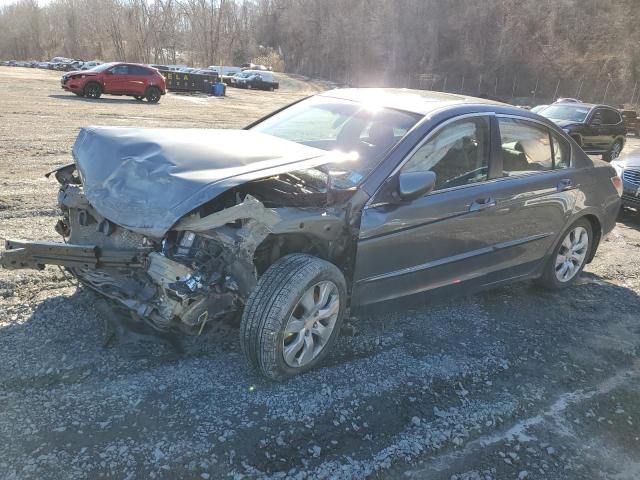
(9,2)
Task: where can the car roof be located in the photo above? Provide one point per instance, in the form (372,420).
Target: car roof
(422,102)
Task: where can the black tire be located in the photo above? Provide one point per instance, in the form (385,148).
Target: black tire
(614,152)
(92,90)
(153,94)
(549,279)
(271,305)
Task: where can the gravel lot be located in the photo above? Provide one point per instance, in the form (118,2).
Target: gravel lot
(515,383)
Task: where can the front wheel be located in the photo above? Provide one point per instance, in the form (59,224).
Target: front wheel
(614,152)
(569,257)
(93,90)
(293,316)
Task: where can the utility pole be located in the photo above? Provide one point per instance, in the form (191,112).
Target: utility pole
(555,95)
(606,90)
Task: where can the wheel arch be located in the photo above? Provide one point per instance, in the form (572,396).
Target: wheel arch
(596,230)
(275,246)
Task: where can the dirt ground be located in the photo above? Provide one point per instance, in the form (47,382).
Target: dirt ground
(515,383)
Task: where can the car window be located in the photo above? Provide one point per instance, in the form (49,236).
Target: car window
(610,117)
(136,70)
(561,151)
(525,147)
(120,70)
(458,154)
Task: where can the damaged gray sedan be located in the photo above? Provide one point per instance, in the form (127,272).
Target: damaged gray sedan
(344,199)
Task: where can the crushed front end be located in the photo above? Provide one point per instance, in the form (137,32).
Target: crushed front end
(201,269)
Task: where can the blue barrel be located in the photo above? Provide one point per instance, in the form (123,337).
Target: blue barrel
(218,89)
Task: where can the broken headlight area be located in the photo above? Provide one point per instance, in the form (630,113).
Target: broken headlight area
(200,270)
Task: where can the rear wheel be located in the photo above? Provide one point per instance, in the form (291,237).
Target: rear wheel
(153,95)
(569,257)
(293,316)
(614,152)
(92,90)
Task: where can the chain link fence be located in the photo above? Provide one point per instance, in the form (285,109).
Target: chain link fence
(531,90)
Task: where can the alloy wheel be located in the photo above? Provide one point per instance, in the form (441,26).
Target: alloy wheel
(572,254)
(615,151)
(311,324)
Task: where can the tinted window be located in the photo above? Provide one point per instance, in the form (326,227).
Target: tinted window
(137,70)
(610,117)
(458,154)
(120,70)
(525,147)
(561,151)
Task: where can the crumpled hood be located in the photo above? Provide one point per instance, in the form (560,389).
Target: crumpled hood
(147,179)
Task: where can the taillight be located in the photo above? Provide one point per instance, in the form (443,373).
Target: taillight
(617,183)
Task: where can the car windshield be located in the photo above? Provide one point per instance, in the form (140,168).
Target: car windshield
(573,113)
(363,132)
(102,68)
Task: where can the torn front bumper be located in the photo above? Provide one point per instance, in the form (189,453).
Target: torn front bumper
(36,255)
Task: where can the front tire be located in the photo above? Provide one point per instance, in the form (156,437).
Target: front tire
(93,90)
(569,257)
(293,316)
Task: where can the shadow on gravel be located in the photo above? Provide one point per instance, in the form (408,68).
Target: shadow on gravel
(408,384)
(630,217)
(75,98)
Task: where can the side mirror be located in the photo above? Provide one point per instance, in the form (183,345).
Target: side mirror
(412,185)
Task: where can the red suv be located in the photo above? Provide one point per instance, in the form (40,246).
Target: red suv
(131,79)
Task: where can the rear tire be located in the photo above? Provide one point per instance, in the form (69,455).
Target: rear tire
(569,257)
(302,295)
(92,90)
(614,152)
(153,95)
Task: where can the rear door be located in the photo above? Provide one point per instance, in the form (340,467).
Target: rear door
(537,190)
(138,79)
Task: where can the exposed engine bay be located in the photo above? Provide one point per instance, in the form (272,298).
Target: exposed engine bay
(205,267)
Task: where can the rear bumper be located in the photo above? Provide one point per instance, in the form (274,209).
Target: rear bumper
(36,255)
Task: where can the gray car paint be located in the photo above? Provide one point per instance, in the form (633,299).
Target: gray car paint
(400,247)
(147,179)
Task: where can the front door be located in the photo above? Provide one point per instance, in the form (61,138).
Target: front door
(118,80)
(442,238)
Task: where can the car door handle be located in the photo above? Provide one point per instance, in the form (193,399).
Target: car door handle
(482,203)
(565,184)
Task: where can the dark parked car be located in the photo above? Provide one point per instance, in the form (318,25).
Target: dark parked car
(598,129)
(341,200)
(256,79)
(628,168)
(631,121)
(131,79)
